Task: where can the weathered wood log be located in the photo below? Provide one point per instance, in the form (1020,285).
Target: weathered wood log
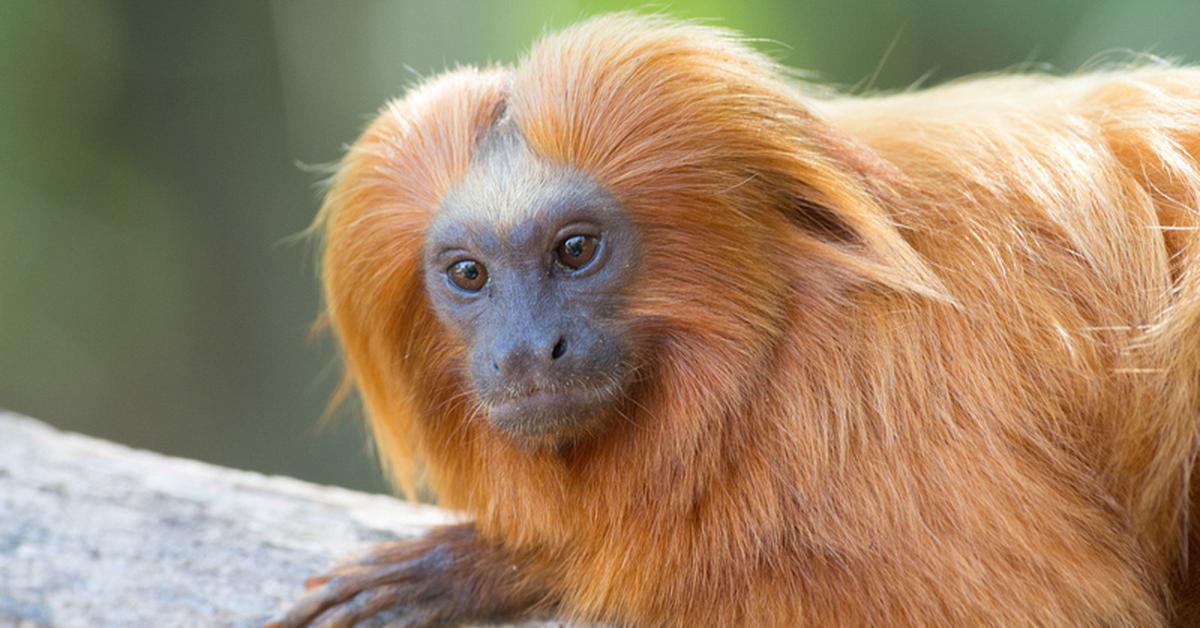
(97,534)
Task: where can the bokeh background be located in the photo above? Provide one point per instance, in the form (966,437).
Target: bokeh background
(156,162)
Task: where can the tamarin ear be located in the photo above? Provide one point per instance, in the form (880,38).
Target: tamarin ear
(817,220)
(845,200)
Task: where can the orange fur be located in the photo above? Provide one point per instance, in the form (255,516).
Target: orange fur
(922,359)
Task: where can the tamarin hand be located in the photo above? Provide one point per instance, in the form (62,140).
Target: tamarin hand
(445,577)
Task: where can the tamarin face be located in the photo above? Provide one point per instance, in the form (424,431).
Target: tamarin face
(526,262)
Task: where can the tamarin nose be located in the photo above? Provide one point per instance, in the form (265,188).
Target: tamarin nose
(519,360)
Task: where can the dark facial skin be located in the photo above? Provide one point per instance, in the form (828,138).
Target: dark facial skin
(527,263)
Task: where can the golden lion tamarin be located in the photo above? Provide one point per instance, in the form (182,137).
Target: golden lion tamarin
(692,347)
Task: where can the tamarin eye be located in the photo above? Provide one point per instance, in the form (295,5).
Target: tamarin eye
(576,251)
(468,274)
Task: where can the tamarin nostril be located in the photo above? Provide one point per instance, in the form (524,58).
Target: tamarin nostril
(559,349)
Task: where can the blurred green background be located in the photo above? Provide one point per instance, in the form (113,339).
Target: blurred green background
(151,177)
